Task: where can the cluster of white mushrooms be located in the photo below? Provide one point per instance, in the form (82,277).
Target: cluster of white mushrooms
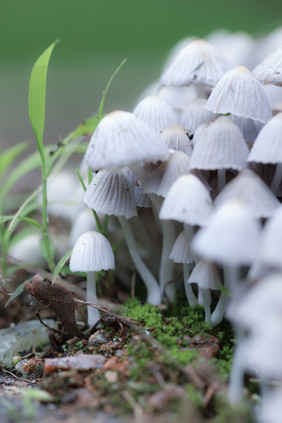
(203,150)
(201,157)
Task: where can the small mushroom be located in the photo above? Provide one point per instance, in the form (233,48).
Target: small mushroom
(92,253)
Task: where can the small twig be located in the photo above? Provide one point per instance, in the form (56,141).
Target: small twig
(125,321)
(137,409)
(20,378)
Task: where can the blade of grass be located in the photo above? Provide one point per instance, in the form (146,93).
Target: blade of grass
(60,265)
(9,156)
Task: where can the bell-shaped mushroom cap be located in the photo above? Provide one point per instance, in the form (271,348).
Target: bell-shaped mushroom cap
(236,47)
(195,114)
(121,139)
(111,192)
(238,92)
(181,252)
(250,128)
(259,303)
(187,201)
(267,147)
(155,112)
(270,70)
(161,180)
(177,139)
(270,251)
(231,238)
(197,63)
(250,189)
(141,199)
(205,275)
(178,97)
(92,253)
(220,146)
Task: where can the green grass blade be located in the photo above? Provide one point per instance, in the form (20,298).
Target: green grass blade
(16,293)
(8,157)
(27,165)
(61,264)
(101,106)
(37,95)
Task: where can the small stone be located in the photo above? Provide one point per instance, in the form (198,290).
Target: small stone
(22,337)
(31,368)
(98,338)
(111,376)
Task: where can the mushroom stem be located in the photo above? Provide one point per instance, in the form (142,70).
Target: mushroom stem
(167,265)
(219,311)
(191,297)
(93,314)
(153,289)
(236,380)
(204,299)
(277,178)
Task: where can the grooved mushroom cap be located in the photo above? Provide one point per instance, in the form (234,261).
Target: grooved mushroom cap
(92,253)
(267,147)
(121,139)
(195,114)
(205,275)
(269,71)
(187,201)
(176,138)
(111,192)
(232,236)
(239,92)
(161,180)
(181,252)
(250,189)
(197,63)
(155,112)
(220,146)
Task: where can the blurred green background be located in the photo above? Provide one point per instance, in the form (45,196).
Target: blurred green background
(94,38)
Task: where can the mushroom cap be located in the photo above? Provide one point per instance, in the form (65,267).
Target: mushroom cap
(197,63)
(239,92)
(187,201)
(205,275)
(111,192)
(178,97)
(269,71)
(92,253)
(181,252)
(250,128)
(121,139)
(231,237)
(220,146)
(267,147)
(161,180)
(250,189)
(270,252)
(156,112)
(177,139)
(195,114)
(260,302)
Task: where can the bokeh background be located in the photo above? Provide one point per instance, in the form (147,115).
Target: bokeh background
(95,36)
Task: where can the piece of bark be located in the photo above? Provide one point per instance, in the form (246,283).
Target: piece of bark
(79,362)
(58,299)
